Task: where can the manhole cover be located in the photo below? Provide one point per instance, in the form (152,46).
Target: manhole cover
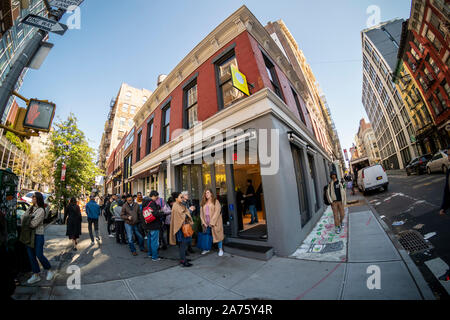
(413,241)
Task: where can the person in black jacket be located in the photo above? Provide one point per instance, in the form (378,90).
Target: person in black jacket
(73,222)
(153,227)
(444,207)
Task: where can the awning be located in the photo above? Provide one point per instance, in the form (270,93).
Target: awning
(295,139)
(146,173)
(229,142)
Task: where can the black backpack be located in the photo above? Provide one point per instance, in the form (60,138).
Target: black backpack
(325,198)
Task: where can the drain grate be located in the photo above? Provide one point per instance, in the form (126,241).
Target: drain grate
(413,241)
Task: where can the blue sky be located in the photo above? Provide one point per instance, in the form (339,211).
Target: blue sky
(135,40)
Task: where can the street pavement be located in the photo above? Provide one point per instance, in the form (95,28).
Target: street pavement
(414,202)
(109,272)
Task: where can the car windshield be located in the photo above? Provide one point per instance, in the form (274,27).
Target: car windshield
(30,195)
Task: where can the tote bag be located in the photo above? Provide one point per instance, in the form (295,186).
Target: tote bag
(205,240)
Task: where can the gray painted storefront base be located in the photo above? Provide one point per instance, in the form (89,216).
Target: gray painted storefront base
(281,199)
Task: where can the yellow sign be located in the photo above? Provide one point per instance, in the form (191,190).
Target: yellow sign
(239,80)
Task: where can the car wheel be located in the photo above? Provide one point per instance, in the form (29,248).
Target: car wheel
(428,170)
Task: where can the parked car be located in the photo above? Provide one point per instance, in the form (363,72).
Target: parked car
(372,178)
(22,207)
(48,198)
(418,165)
(439,163)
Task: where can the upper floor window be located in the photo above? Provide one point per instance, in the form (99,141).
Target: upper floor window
(122,121)
(130,123)
(191,107)
(133,109)
(227,93)
(144,99)
(139,144)
(299,106)
(125,108)
(270,68)
(165,127)
(149,137)
(128,95)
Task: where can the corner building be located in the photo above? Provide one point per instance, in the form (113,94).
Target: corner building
(199,92)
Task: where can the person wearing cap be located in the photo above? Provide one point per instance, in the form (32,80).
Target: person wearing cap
(444,207)
(338,198)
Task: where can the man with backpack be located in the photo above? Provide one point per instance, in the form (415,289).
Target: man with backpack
(335,195)
(152,223)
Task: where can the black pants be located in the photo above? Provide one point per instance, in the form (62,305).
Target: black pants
(182,251)
(95,223)
(120,232)
(110,223)
(163,239)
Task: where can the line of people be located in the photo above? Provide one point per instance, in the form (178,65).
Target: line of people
(128,221)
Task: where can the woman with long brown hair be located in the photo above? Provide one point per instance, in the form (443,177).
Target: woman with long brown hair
(211,218)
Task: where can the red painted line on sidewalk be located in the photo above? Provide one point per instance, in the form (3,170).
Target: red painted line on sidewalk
(322,280)
(368,222)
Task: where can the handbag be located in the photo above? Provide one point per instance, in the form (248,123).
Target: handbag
(148,214)
(187,230)
(205,240)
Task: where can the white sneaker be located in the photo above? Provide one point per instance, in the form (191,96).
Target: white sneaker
(34,278)
(220,252)
(50,275)
(111,236)
(145,238)
(205,252)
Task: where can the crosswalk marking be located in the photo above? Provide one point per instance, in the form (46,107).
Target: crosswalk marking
(439,267)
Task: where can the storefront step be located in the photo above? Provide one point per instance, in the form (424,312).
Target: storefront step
(249,250)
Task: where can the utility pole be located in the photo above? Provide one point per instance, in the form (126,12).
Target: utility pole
(24,59)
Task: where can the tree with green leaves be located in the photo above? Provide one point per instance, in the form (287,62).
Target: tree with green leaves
(68,145)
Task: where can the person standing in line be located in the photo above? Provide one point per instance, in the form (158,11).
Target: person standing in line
(37,214)
(211,217)
(153,227)
(170,203)
(444,207)
(139,199)
(109,217)
(162,238)
(119,223)
(73,222)
(189,205)
(338,198)
(250,198)
(132,215)
(180,215)
(93,212)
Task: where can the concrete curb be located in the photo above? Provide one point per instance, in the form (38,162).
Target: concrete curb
(417,276)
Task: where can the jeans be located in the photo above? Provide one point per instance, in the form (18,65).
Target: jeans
(153,243)
(134,229)
(219,244)
(182,251)
(254,213)
(38,251)
(120,232)
(95,223)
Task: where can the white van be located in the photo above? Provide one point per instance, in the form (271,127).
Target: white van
(372,178)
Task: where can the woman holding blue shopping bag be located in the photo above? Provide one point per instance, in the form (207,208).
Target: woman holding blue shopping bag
(211,218)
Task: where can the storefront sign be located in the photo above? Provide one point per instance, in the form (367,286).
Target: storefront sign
(239,80)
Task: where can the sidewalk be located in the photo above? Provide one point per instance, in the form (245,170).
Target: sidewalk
(396,172)
(108,271)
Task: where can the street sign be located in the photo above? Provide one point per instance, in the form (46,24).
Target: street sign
(39,115)
(45,24)
(239,80)
(63,172)
(65,4)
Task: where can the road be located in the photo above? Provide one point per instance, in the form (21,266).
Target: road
(415,201)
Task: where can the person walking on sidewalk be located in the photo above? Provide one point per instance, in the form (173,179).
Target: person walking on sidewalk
(153,227)
(211,218)
(250,199)
(93,213)
(109,217)
(37,214)
(338,198)
(180,215)
(444,207)
(132,216)
(119,223)
(73,222)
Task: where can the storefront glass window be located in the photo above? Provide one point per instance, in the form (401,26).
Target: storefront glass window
(206,173)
